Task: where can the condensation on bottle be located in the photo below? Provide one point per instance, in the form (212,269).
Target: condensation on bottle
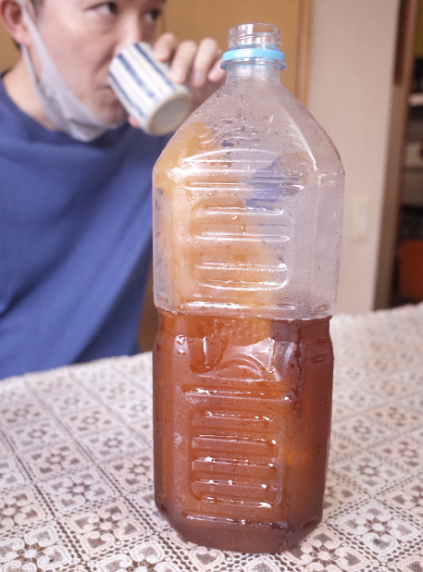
(247,213)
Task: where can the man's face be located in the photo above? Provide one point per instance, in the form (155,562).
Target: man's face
(82,36)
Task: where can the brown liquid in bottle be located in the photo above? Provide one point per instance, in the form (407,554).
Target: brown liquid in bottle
(242,413)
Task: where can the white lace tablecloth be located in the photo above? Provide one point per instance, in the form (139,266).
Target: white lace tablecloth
(76,488)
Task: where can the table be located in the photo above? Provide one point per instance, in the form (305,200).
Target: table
(76,489)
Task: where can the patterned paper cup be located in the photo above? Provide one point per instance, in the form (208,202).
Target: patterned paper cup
(144,88)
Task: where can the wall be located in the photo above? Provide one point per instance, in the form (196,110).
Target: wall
(350,85)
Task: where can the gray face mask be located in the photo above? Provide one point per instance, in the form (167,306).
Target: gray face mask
(60,105)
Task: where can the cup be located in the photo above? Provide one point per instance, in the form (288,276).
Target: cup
(144,88)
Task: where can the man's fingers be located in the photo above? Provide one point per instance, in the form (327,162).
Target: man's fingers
(165,47)
(182,61)
(189,61)
(197,66)
(217,74)
(207,54)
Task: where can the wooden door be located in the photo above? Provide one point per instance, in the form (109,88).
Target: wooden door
(9,53)
(196,19)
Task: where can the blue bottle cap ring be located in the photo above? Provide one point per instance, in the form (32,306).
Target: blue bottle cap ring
(251,53)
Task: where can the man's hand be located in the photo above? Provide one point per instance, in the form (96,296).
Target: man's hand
(198,66)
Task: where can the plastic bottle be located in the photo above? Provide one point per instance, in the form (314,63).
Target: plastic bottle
(247,226)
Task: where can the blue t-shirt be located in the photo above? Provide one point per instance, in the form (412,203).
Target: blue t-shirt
(75,242)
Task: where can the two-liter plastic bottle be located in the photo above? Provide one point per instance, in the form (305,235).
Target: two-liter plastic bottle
(247,226)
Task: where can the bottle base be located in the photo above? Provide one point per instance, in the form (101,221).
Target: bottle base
(238,536)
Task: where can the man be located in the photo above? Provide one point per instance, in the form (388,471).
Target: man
(75,179)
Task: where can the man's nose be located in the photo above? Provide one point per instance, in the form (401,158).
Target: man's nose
(130,33)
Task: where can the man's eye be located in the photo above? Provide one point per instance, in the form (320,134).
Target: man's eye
(153,15)
(108,7)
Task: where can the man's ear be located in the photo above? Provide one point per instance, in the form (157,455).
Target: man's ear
(15,21)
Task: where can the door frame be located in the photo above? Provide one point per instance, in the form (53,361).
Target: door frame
(404,64)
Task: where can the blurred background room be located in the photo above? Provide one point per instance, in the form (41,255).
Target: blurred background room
(358,67)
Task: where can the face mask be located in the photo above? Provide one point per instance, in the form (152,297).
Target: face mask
(60,105)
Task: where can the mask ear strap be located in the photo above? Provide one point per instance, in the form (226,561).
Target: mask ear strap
(24,50)
(35,36)
(59,103)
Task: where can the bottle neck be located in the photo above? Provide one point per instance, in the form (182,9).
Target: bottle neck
(254,70)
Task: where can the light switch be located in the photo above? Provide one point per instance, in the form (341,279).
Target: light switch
(360,218)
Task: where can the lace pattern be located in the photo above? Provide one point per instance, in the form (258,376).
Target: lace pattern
(76,470)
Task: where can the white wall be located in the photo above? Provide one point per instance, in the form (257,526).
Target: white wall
(352,59)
